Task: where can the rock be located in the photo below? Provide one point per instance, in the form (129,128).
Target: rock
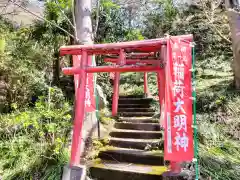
(102,100)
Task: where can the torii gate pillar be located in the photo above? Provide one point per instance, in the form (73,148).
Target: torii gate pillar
(146,92)
(121,61)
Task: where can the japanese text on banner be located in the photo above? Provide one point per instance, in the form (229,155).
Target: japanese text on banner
(179,136)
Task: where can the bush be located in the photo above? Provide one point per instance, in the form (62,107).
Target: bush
(34,141)
(25,67)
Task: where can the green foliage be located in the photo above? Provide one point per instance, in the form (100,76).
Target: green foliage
(217,107)
(159,20)
(23,67)
(111,22)
(2,44)
(134,34)
(33,142)
(112,25)
(28,65)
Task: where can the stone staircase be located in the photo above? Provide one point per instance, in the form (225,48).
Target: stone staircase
(130,156)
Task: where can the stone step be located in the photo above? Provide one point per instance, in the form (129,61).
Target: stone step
(136,114)
(109,170)
(131,96)
(134,100)
(132,156)
(136,109)
(130,105)
(138,120)
(138,126)
(123,133)
(135,143)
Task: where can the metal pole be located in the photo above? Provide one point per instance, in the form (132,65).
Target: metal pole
(79,115)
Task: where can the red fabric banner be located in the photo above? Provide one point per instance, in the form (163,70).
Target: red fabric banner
(178,134)
(90,104)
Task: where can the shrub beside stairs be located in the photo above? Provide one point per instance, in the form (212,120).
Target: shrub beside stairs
(132,140)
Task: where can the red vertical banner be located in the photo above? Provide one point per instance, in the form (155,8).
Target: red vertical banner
(178,132)
(90,104)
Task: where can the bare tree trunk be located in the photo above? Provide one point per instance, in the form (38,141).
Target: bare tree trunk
(85,36)
(234,21)
(83,21)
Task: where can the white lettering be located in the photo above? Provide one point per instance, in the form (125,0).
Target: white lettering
(178,105)
(180,122)
(183,49)
(181,141)
(178,88)
(88,97)
(178,70)
(184,59)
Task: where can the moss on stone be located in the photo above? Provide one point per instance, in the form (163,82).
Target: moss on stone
(158,170)
(157,152)
(98,163)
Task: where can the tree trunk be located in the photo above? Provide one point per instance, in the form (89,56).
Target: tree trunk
(234,21)
(83,21)
(85,36)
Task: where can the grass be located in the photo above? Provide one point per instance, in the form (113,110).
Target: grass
(218,116)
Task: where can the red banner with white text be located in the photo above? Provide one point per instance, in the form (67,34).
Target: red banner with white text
(89,98)
(178,134)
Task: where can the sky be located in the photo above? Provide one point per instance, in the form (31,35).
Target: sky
(21,16)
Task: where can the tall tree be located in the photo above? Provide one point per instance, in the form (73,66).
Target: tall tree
(85,36)
(234,20)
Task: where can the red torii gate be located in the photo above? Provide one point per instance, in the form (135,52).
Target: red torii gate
(136,63)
